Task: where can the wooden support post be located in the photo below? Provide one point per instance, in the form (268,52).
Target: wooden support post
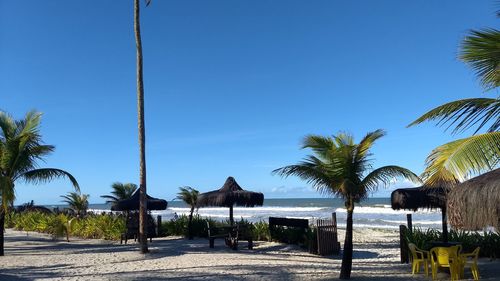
(410,225)
(403,244)
(231,220)
(334,221)
(158,226)
(445,224)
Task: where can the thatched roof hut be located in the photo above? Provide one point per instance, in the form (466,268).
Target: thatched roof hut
(475,204)
(418,198)
(422,198)
(133,203)
(229,195)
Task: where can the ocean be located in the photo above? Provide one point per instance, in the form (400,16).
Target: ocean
(371,213)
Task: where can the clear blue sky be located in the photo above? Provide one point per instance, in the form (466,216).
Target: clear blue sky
(231,87)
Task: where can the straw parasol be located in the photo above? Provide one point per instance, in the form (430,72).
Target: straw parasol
(228,195)
(422,197)
(418,198)
(475,204)
(133,203)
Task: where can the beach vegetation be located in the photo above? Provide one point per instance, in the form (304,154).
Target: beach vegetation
(21,148)
(190,196)
(77,202)
(261,231)
(489,241)
(92,226)
(179,226)
(110,227)
(480,152)
(342,168)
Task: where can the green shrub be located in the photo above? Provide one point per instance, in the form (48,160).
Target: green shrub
(105,226)
(289,235)
(261,231)
(488,241)
(422,238)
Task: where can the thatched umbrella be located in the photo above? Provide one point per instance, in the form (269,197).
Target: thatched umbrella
(475,204)
(422,198)
(133,203)
(228,195)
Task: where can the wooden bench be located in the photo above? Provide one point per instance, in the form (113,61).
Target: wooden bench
(132,229)
(231,235)
(244,234)
(213,234)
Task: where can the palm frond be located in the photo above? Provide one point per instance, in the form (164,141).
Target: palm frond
(384,175)
(440,177)
(7,125)
(7,193)
(314,172)
(321,145)
(44,175)
(367,142)
(481,50)
(76,201)
(121,191)
(465,114)
(189,195)
(463,157)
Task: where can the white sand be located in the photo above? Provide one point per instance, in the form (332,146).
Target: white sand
(38,257)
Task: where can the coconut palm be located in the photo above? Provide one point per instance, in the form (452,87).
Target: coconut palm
(481,51)
(77,202)
(121,191)
(478,153)
(21,148)
(141,128)
(455,161)
(190,196)
(342,168)
(465,114)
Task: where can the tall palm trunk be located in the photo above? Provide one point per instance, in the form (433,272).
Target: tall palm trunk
(142,135)
(190,223)
(345,271)
(2,229)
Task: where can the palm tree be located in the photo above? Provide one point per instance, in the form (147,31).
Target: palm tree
(190,196)
(21,148)
(342,168)
(121,191)
(478,153)
(143,220)
(481,51)
(77,202)
(453,162)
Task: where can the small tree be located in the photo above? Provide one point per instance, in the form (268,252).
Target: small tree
(190,196)
(77,202)
(21,147)
(341,168)
(121,191)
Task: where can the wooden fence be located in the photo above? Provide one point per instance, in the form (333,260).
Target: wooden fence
(328,243)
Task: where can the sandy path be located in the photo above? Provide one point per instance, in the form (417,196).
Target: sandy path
(38,257)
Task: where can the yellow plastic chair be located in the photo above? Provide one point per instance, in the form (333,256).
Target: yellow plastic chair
(446,257)
(470,260)
(419,257)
